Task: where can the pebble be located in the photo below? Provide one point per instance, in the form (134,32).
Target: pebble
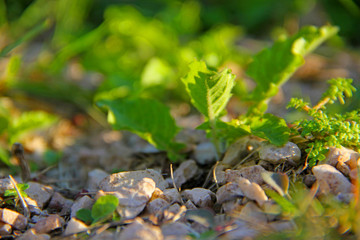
(252,191)
(205,153)
(75,226)
(40,193)
(186,171)
(116,181)
(276,155)
(5,229)
(252,173)
(201,197)
(172,195)
(5,184)
(15,219)
(58,203)
(48,224)
(83,202)
(228,192)
(156,205)
(133,199)
(331,180)
(31,235)
(94,178)
(252,213)
(175,230)
(141,230)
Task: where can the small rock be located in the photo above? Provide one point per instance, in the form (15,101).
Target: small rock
(190,205)
(342,155)
(75,226)
(31,235)
(157,194)
(174,212)
(40,193)
(252,191)
(331,180)
(140,230)
(240,149)
(5,229)
(231,206)
(176,229)
(105,235)
(172,195)
(83,202)
(201,197)
(133,199)
(276,155)
(343,168)
(242,231)
(58,203)
(185,172)
(252,173)
(128,179)
(228,192)
(49,223)
(5,184)
(156,205)
(205,153)
(32,205)
(252,213)
(15,219)
(309,180)
(94,178)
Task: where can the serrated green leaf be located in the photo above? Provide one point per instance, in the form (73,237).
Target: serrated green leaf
(84,215)
(147,118)
(274,66)
(103,207)
(12,192)
(209,91)
(271,128)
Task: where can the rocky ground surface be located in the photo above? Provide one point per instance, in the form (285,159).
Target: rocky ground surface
(198,198)
(158,200)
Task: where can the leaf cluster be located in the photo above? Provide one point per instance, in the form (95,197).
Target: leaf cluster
(324,130)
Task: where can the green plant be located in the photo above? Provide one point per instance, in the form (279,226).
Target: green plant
(103,208)
(11,196)
(325,130)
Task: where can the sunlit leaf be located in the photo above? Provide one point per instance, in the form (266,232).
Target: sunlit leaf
(279,181)
(103,207)
(209,91)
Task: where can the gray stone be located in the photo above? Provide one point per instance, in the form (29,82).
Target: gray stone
(15,219)
(205,153)
(185,172)
(83,202)
(40,193)
(94,178)
(276,155)
(331,180)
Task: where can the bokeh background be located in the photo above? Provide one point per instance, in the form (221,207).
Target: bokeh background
(57,57)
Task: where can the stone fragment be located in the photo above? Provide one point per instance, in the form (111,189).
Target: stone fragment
(205,153)
(342,155)
(133,199)
(252,213)
(58,203)
(5,229)
(276,155)
(232,206)
(176,230)
(49,223)
(5,184)
(240,149)
(15,219)
(228,192)
(174,212)
(252,173)
(74,226)
(331,180)
(105,235)
(141,230)
(94,178)
(156,205)
(252,191)
(185,172)
(31,235)
(128,179)
(242,231)
(83,202)
(40,193)
(201,197)
(190,205)
(32,205)
(172,195)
